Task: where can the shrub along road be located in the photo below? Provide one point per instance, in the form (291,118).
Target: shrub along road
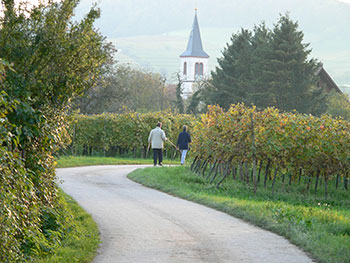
(139,224)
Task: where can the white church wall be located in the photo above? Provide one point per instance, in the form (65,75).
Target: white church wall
(189,79)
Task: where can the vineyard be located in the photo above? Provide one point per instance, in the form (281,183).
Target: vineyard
(255,147)
(115,134)
(260,146)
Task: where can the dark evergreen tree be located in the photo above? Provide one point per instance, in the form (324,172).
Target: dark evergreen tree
(292,74)
(260,66)
(267,68)
(230,81)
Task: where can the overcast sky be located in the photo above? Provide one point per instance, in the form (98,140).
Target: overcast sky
(132,25)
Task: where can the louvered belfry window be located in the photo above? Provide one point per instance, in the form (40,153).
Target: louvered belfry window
(198,69)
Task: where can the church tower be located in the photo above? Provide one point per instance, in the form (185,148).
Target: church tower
(194,61)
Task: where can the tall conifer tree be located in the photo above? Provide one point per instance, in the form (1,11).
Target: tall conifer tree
(267,68)
(292,73)
(230,81)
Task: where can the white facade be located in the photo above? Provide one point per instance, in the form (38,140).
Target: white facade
(188,75)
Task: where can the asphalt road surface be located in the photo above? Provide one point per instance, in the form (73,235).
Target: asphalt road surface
(141,225)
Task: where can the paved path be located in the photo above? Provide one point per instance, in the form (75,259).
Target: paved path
(141,225)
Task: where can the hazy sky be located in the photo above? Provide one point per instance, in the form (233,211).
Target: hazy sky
(152,33)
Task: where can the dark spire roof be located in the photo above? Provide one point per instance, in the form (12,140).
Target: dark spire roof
(194,46)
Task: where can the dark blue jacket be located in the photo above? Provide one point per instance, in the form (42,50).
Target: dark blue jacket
(183,140)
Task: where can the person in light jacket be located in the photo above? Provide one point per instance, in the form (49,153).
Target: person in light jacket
(183,143)
(157,138)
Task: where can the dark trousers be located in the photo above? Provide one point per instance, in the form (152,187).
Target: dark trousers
(157,153)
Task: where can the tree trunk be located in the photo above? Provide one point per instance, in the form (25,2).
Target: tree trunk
(246,170)
(316,183)
(194,161)
(241,174)
(260,167)
(326,187)
(337,181)
(217,170)
(205,167)
(226,172)
(234,172)
(267,172)
(274,180)
(212,169)
(290,179)
(198,164)
(300,172)
(345,183)
(309,178)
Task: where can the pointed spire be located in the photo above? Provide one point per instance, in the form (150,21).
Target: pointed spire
(194,46)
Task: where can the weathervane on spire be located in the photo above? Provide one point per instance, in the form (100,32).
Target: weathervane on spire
(196,6)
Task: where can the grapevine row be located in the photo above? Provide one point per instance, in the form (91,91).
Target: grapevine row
(112,134)
(247,143)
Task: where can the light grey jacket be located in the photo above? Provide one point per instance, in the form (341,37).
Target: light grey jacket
(157,138)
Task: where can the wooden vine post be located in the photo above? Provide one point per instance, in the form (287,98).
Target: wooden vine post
(253,153)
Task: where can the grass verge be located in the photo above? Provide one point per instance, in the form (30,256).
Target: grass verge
(320,228)
(74,161)
(80,243)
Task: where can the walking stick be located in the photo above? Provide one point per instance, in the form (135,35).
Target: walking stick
(172,144)
(149,145)
(174,147)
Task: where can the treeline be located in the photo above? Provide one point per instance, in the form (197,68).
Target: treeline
(267,68)
(122,87)
(45,60)
(123,134)
(254,146)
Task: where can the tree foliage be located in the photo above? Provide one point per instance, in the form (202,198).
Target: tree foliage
(338,105)
(266,68)
(124,87)
(51,60)
(179,103)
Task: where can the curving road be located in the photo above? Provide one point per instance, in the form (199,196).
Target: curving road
(141,225)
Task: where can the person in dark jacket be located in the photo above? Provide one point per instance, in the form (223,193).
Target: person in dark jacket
(182,143)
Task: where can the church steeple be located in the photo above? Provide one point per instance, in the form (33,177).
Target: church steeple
(194,62)
(194,45)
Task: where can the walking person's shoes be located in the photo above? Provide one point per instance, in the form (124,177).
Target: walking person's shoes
(160,164)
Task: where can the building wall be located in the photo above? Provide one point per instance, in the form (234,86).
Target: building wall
(189,79)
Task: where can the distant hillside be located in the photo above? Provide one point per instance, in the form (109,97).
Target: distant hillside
(153,33)
(160,53)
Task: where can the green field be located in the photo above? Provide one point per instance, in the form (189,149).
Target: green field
(320,228)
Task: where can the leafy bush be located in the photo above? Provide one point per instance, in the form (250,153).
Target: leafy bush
(51,60)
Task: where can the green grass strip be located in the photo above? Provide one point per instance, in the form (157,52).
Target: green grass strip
(80,243)
(320,228)
(75,161)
